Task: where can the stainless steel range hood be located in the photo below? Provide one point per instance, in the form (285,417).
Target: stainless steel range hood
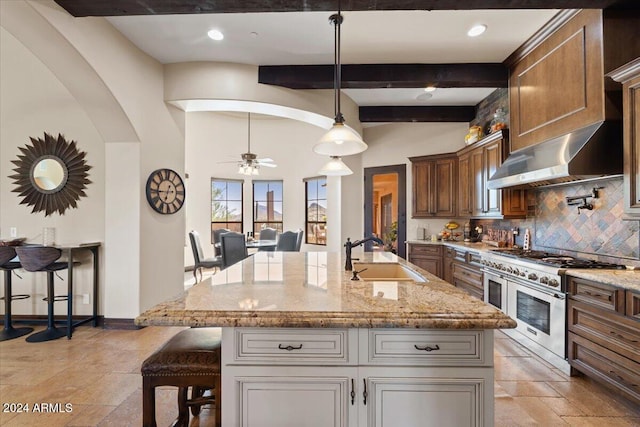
(587,153)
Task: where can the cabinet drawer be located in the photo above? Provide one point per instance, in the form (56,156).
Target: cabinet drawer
(292,346)
(433,250)
(598,294)
(633,305)
(610,330)
(606,366)
(423,348)
(467,274)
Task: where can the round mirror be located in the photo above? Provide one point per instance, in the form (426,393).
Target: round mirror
(49,174)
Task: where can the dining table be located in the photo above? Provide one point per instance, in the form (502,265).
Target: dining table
(261,244)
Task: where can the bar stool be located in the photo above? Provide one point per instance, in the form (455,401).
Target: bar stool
(191,358)
(7,253)
(45,258)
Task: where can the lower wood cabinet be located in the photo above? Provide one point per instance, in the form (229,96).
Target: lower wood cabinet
(391,377)
(428,257)
(466,272)
(604,335)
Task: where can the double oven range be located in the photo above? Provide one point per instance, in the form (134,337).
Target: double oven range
(530,287)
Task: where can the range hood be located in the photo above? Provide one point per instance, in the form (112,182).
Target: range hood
(590,152)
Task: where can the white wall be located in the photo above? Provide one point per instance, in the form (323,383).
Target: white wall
(34,101)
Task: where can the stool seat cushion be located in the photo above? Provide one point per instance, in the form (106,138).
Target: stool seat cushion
(194,351)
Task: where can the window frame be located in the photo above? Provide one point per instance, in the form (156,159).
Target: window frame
(278,225)
(308,223)
(227,200)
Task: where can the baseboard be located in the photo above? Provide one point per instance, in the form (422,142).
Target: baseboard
(128,324)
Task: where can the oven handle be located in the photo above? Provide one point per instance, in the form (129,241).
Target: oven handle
(555,294)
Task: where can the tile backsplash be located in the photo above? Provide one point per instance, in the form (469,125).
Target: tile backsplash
(558,227)
(600,231)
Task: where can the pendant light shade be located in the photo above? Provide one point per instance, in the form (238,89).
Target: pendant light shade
(335,167)
(340,140)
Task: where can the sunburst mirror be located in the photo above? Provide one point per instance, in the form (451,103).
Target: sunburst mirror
(51,174)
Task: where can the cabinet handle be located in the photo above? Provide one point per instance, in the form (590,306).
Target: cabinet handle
(365,394)
(617,335)
(353,392)
(427,348)
(289,347)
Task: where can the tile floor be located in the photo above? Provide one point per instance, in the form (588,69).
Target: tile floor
(95,378)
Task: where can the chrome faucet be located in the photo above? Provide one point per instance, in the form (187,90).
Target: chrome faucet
(348,245)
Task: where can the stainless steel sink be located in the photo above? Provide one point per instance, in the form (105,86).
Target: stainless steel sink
(391,271)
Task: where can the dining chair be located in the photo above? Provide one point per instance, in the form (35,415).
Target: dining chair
(268,234)
(233,248)
(45,258)
(287,241)
(7,253)
(216,240)
(299,239)
(199,260)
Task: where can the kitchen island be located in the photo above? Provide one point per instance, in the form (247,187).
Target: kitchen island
(305,345)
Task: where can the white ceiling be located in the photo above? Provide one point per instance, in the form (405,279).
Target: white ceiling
(369,37)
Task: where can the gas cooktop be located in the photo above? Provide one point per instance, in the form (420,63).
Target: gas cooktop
(555,260)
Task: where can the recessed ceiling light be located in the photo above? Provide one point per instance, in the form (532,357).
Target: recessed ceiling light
(215,35)
(253,34)
(476,30)
(430,89)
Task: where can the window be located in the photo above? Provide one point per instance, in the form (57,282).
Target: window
(267,206)
(316,211)
(226,205)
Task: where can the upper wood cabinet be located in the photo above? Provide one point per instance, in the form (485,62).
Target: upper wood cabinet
(434,185)
(629,75)
(558,85)
(477,163)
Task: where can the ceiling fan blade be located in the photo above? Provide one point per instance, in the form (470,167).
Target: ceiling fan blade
(269,165)
(265,160)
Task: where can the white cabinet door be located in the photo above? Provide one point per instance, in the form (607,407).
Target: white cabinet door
(425,397)
(292,397)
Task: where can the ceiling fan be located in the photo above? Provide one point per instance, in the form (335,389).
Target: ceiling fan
(250,163)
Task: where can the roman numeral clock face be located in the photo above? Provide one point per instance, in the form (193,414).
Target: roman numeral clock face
(165,191)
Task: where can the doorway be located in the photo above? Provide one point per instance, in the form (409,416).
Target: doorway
(385,207)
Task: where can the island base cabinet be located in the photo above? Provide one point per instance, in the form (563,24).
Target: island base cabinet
(383,378)
(425,397)
(289,397)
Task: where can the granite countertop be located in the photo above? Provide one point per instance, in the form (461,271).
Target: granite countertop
(468,246)
(311,289)
(627,279)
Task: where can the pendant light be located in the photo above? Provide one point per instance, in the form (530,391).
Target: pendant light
(340,140)
(335,167)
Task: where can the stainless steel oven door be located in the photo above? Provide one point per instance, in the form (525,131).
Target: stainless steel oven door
(495,290)
(540,313)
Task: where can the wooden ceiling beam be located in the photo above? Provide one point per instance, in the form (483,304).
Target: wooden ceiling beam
(371,76)
(163,7)
(405,114)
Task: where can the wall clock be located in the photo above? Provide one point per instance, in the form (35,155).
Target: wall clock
(165,191)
